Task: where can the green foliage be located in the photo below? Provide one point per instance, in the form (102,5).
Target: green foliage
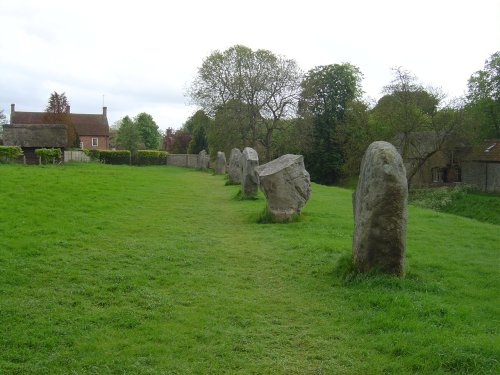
(148,129)
(326,94)
(484,100)
(48,154)
(115,156)
(437,198)
(8,153)
(267,217)
(459,200)
(129,135)
(150,157)
(197,126)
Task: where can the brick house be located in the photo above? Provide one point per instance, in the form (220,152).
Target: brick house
(93,129)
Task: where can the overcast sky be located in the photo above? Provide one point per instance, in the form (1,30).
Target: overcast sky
(140,56)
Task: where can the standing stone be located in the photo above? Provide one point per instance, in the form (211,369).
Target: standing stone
(220,163)
(380,212)
(202,160)
(234,170)
(249,177)
(286,185)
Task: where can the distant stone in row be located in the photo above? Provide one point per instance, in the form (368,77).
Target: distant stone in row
(286,185)
(249,177)
(234,170)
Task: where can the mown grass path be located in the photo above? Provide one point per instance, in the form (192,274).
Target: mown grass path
(160,270)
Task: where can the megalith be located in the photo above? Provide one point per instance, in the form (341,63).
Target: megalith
(286,185)
(220,163)
(249,178)
(202,160)
(234,170)
(380,211)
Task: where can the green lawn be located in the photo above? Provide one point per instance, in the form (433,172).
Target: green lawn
(161,270)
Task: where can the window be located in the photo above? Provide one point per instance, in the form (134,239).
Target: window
(94,142)
(437,174)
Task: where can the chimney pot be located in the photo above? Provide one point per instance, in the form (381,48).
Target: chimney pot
(104,111)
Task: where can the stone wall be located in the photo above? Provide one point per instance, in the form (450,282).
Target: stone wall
(182,160)
(484,176)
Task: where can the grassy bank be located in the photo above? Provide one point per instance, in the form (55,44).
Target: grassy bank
(116,269)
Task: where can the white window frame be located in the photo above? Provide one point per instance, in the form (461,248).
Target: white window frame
(95,142)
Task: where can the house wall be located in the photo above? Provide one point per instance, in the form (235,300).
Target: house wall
(485,176)
(102,142)
(423,177)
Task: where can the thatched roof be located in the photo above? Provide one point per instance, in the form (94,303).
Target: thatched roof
(35,135)
(85,124)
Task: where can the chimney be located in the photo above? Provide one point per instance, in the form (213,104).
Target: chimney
(104,111)
(12,110)
(68,109)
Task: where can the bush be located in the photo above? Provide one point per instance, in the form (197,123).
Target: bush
(437,198)
(48,154)
(150,157)
(114,156)
(110,156)
(8,153)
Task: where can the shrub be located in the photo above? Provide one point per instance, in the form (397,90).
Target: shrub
(437,198)
(150,157)
(48,154)
(115,156)
(8,153)
(94,154)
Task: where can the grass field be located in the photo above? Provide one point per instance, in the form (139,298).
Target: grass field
(161,270)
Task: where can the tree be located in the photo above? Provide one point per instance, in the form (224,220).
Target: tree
(129,135)
(258,87)
(484,98)
(326,94)
(149,131)
(410,117)
(197,126)
(180,142)
(57,112)
(3,121)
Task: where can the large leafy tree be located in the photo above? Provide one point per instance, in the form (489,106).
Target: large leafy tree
(149,131)
(326,94)
(129,135)
(57,112)
(484,98)
(415,119)
(258,86)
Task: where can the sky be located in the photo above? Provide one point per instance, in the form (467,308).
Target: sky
(141,56)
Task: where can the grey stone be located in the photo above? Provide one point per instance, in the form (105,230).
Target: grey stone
(286,185)
(203,159)
(249,178)
(234,170)
(380,211)
(220,163)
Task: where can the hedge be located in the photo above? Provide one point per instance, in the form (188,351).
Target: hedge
(150,157)
(110,156)
(48,154)
(8,153)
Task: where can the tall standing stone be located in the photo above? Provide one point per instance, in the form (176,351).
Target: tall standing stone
(202,160)
(234,170)
(220,163)
(286,185)
(249,177)
(380,211)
